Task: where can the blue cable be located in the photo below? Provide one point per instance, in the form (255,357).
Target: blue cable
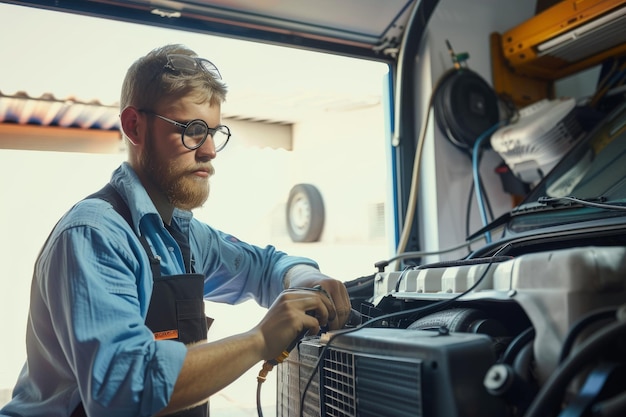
(477,185)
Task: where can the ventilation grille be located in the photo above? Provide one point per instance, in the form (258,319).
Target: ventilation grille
(580,43)
(370,386)
(293,375)
(339,384)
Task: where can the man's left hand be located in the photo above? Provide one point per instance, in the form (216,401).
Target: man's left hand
(306,276)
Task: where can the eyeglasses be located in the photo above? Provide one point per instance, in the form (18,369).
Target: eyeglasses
(196,131)
(191,65)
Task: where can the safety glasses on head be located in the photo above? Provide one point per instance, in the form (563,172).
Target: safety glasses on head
(191,65)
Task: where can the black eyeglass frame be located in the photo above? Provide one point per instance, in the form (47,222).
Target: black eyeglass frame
(209,130)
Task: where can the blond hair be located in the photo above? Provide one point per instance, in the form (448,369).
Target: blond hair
(148,81)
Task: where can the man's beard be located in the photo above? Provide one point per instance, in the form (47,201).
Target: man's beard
(182,188)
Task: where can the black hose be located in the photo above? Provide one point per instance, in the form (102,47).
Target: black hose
(550,395)
(582,324)
(267,367)
(259,409)
(614,407)
(517,344)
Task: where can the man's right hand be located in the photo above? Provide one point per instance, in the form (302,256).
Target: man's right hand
(294,311)
(209,367)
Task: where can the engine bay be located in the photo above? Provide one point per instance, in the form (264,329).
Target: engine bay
(482,336)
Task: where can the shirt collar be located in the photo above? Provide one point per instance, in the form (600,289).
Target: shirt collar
(127,183)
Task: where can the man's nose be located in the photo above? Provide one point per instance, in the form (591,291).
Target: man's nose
(207,150)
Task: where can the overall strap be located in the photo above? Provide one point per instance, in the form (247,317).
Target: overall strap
(111,196)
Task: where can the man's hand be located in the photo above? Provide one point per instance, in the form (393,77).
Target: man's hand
(294,313)
(308,277)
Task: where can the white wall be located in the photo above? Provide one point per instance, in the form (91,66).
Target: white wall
(446,172)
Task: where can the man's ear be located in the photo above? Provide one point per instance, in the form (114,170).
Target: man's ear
(130,119)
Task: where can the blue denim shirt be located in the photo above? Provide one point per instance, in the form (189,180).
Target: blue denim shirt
(86,339)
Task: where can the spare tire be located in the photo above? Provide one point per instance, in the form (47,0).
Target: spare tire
(305,213)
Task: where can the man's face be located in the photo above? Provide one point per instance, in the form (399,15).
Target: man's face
(182,175)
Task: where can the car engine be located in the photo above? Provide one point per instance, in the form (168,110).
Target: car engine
(524,335)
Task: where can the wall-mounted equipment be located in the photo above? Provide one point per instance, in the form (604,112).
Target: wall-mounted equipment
(562,40)
(544,132)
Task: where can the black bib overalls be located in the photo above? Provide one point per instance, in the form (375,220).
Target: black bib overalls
(176,309)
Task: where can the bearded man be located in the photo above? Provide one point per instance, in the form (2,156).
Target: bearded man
(116,320)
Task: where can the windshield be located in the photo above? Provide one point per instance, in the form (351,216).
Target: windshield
(594,169)
(588,184)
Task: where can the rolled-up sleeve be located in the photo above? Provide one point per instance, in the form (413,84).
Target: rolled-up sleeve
(236,271)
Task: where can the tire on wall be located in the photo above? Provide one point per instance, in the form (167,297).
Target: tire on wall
(305,213)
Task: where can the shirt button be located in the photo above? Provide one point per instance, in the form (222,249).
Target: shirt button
(171,249)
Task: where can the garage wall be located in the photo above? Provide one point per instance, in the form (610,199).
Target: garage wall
(447,172)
